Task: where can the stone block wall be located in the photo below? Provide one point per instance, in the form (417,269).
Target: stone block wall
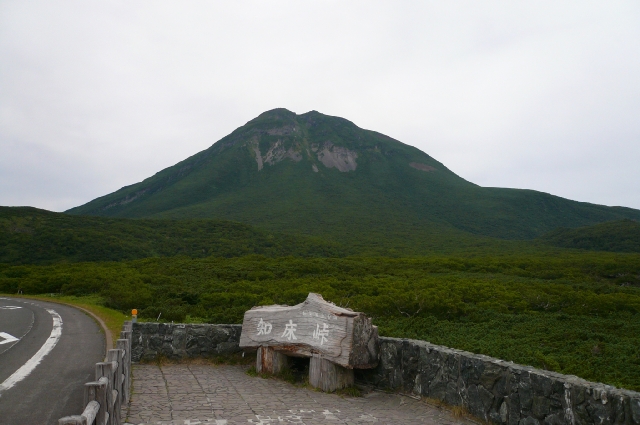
(498,391)
(490,389)
(178,341)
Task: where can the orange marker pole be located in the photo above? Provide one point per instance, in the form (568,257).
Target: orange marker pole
(134,315)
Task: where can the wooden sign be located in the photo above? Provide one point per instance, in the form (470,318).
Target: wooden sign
(314,327)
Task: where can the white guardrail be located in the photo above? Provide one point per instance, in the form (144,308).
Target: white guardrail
(105,397)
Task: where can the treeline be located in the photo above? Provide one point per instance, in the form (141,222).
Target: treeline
(613,236)
(575,313)
(33,236)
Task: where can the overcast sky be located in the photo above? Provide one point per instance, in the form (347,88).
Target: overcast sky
(540,95)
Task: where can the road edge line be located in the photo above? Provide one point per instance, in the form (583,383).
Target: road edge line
(28,367)
(105,329)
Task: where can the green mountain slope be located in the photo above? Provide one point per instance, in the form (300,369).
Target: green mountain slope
(33,236)
(321,175)
(615,236)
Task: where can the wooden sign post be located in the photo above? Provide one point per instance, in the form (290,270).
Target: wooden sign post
(336,339)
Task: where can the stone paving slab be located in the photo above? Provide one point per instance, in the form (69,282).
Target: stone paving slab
(226,395)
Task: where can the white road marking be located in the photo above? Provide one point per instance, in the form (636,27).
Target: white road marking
(9,307)
(7,338)
(34,361)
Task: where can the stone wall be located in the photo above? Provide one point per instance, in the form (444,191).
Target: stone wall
(178,341)
(491,389)
(498,391)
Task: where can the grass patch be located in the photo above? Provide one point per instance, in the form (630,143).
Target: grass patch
(286,375)
(351,391)
(252,371)
(457,411)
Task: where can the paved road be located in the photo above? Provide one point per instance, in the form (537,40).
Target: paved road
(47,352)
(226,395)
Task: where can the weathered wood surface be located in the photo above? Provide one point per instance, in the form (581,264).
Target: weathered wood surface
(329,376)
(107,370)
(104,397)
(88,417)
(91,411)
(271,361)
(315,326)
(97,391)
(116,356)
(125,346)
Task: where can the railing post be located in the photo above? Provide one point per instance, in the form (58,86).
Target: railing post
(115,356)
(127,334)
(128,326)
(106,370)
(123,344)
(97,391)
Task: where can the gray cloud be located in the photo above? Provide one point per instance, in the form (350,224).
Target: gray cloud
(544,95)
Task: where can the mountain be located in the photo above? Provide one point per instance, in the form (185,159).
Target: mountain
(33,236)
(321,175)
(615,236)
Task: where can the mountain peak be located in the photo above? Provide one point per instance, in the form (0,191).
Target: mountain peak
(282,115)
(323,175)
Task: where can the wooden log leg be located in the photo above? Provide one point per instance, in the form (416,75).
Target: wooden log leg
(328,376)
(270,360)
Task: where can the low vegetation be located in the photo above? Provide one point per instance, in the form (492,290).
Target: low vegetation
(614,236)
(33,236)
(568,310)
(571,312)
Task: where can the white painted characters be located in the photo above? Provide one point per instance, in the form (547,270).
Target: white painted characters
(321,334)
(289,330)
(264,328)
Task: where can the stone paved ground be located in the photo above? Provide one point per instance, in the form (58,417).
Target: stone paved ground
(226,395)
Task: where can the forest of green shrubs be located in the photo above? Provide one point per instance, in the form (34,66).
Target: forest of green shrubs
(35,236)
(571,312)
(559,302)
(614,236)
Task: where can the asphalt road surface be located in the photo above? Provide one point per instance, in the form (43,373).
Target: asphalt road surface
(47,353)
